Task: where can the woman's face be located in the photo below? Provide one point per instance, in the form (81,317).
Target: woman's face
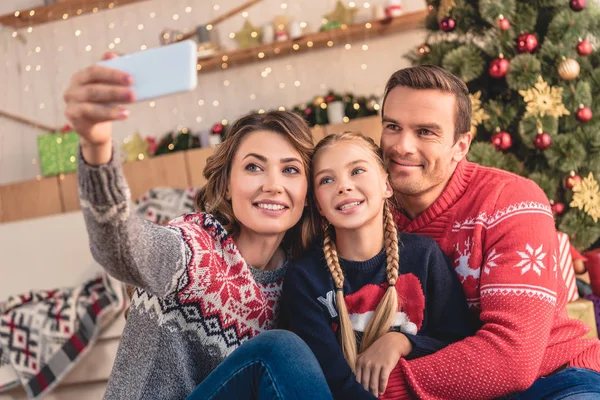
(267,185)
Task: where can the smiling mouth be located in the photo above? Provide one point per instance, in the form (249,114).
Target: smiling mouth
(350,205)
(270,206)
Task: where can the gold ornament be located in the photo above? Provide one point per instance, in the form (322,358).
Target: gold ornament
(136,147)
(586,197)
(568,69)
(318,101)
(342,14)
(444,9)
(248,36)
(543,99)
(478,114)
(423,49)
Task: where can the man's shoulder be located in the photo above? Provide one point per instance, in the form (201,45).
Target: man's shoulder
(492,182)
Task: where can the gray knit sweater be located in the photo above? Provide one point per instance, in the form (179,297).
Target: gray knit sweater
(197,299)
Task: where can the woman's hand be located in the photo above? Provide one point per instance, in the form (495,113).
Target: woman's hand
(92,101)
(374,366)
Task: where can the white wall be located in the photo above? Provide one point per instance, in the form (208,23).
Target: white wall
(38,94)
(44,253)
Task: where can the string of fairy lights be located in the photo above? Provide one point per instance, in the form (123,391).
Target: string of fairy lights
(117,42)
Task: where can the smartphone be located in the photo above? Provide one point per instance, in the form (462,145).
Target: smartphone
(159,71)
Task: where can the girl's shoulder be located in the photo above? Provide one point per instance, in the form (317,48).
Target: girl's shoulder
(419,241)
(311,262)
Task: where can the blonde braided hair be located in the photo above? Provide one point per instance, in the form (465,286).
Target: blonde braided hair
(385,313)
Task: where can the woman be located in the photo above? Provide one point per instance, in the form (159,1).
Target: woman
(210,281)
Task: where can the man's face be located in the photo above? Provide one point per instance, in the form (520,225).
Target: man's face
(418,142)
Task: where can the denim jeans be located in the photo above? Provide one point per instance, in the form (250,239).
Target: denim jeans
(569,384)
(273,365)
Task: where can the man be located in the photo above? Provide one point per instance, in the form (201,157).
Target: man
(498,229)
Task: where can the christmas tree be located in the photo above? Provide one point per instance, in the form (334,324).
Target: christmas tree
(532,68)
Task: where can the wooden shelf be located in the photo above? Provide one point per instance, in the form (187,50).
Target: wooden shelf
(312,41)
(57,11)
(58,194)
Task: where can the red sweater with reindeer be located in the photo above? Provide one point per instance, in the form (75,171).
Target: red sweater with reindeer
(498,229)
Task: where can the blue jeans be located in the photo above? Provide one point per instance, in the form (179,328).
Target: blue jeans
(571,383)
(273,365)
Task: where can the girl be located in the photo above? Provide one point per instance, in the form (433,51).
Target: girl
(208,281)
(395,295)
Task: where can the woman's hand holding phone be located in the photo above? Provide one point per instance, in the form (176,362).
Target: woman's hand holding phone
(94,99)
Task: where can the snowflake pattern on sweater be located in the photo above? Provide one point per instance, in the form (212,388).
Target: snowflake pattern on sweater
(196,299)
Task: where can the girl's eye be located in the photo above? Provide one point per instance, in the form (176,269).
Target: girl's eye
(324,181)
(358,171)
(291,170)
(252,167)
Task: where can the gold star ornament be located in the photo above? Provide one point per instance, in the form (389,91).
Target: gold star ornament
(248,36)
(543,99)
(136,147)
(478,115)
(586,197)
(342,14)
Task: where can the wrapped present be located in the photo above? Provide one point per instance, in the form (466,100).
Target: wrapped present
(565,262)
(593,268)
(583,310)
(58,153)
(596,300)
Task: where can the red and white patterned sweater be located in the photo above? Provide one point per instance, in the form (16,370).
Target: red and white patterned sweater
(499,231)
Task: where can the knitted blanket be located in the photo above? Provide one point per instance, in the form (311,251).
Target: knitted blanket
(45,333)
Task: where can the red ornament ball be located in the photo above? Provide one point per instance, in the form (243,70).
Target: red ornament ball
(527,43)
(217,129)
(447,24)
(584,48)
(503,23)
(558,208)
(502,141)
(572,180)
(307,111)
(542,141)
(583,114)
(498,67)
(329,98)
(577,5)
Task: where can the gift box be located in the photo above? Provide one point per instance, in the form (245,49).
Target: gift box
(583,310)
(596,300)
(565,262)
(58,153)
(593,269)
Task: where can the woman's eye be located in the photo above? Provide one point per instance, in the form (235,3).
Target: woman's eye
(291,170)
(252,167)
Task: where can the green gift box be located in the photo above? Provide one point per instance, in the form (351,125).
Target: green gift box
(58,153)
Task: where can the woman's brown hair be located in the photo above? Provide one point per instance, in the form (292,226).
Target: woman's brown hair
(386,311)
(211,197)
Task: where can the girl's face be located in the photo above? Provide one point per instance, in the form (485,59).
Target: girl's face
(267,184)
(350,185)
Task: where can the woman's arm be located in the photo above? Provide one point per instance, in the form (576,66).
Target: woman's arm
(131,249)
